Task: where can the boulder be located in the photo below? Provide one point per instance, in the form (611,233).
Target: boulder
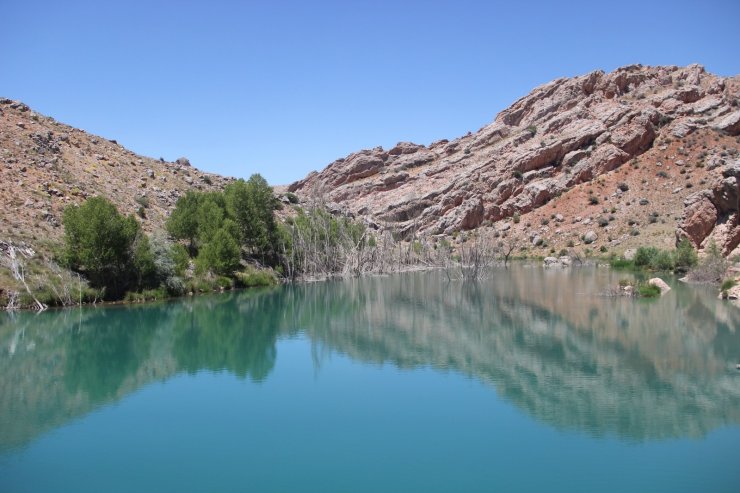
(590,237)
(550,262)
(660,284)
(729,123)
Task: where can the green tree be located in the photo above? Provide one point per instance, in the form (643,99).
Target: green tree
(221,254)
(183,222)
(99,242)
(252,204)
(209,216)
(144,268)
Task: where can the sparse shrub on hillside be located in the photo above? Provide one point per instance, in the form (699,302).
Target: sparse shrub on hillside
(292,198)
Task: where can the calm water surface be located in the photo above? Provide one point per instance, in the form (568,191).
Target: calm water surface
(528,381)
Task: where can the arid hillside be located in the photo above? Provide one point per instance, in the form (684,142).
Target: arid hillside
(46,165)
(606,162)
(642,155)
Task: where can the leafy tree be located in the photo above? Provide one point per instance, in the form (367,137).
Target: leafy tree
(223,226)
(180,257)
(221,254)
(210,216)
(143,260)
(251,204)
(183,222)
(99,242)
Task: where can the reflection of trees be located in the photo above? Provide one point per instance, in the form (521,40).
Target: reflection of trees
(219,334)
(65,363)
(544,340)
(106,349)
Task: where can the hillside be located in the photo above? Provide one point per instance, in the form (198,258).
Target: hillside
(46,166)
(608,162)
(642,155)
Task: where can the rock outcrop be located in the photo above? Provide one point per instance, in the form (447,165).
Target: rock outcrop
(712,215)
(564,135)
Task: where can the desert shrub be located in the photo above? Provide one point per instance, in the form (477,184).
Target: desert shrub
(662,261)
(645,256)
(711,268)
(728,284)
(142,200)
(292,198)
(685,256)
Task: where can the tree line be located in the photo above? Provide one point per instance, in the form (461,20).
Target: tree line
(216,235)
(223,239)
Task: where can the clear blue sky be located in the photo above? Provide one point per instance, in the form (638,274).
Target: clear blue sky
(282,88)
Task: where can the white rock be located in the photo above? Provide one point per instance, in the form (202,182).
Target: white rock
(659,283)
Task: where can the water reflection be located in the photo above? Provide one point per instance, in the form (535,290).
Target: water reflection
(543,340)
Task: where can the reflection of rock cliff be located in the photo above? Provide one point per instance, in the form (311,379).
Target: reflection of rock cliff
(550,345)
(543,339)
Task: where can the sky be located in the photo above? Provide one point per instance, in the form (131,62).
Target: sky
(283,88)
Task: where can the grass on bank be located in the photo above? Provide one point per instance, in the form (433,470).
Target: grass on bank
(680,260)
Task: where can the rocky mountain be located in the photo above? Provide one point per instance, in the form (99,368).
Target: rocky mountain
(642,155)
(46,165)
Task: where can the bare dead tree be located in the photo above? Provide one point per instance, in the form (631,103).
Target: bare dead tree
(506,248)
(17,269)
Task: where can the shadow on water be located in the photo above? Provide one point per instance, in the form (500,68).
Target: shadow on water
(544,340)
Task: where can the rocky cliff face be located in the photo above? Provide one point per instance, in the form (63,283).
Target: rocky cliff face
(649,151)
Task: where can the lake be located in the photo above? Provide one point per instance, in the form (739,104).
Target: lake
(530,380)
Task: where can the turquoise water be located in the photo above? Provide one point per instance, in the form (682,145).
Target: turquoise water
(528,381)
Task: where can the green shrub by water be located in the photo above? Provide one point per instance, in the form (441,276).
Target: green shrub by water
(648,290)
(251,277)
(728,284)
(621,263)
(645,256)
(680,260)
